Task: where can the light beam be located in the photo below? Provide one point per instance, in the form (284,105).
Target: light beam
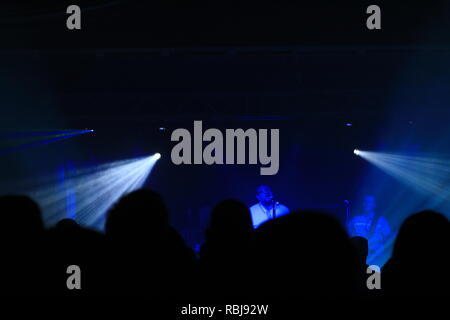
(87,194)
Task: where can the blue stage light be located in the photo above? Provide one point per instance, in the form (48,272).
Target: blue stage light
(12,142)
(92,191)
(424,183)
(357,152)
(157,156)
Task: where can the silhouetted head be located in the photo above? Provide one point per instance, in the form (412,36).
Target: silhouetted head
(361,246)
(423,238)
(230,217)
(21,246)
(20,216)
(137,214)
(67,224)
(226,253)
(264,195)
(301,248)
(417,265)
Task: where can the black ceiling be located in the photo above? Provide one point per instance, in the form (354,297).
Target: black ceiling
(155,60)
(158,23)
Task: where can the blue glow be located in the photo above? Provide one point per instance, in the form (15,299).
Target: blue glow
(423,183)
(423,174)
(33,134)
(36,139)
(88,193)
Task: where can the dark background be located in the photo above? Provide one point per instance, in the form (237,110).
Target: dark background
(169,23)
(308,68)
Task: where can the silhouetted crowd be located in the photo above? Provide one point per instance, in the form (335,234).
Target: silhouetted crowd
(303,253)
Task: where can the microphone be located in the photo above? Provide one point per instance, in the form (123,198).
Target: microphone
(274,204)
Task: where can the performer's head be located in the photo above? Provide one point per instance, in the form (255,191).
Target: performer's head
(369,204)
(264,195)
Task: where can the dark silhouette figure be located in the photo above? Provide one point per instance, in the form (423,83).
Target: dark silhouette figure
(21,246)
(419,258)
(361,246)
(67,224)
(301,254)
(304,254)
(67,244)
(147,255)
(225,256)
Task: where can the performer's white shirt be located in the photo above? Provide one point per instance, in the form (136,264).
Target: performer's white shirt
(260,214)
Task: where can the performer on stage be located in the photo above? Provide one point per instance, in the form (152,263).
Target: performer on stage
(266,208)
(375,228)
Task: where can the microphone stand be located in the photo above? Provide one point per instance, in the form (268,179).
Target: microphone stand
(274,205)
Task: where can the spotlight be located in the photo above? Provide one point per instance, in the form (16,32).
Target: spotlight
(157,156)
(22,140)
(92,130)
(87,193)
(356,152)
(348,124)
